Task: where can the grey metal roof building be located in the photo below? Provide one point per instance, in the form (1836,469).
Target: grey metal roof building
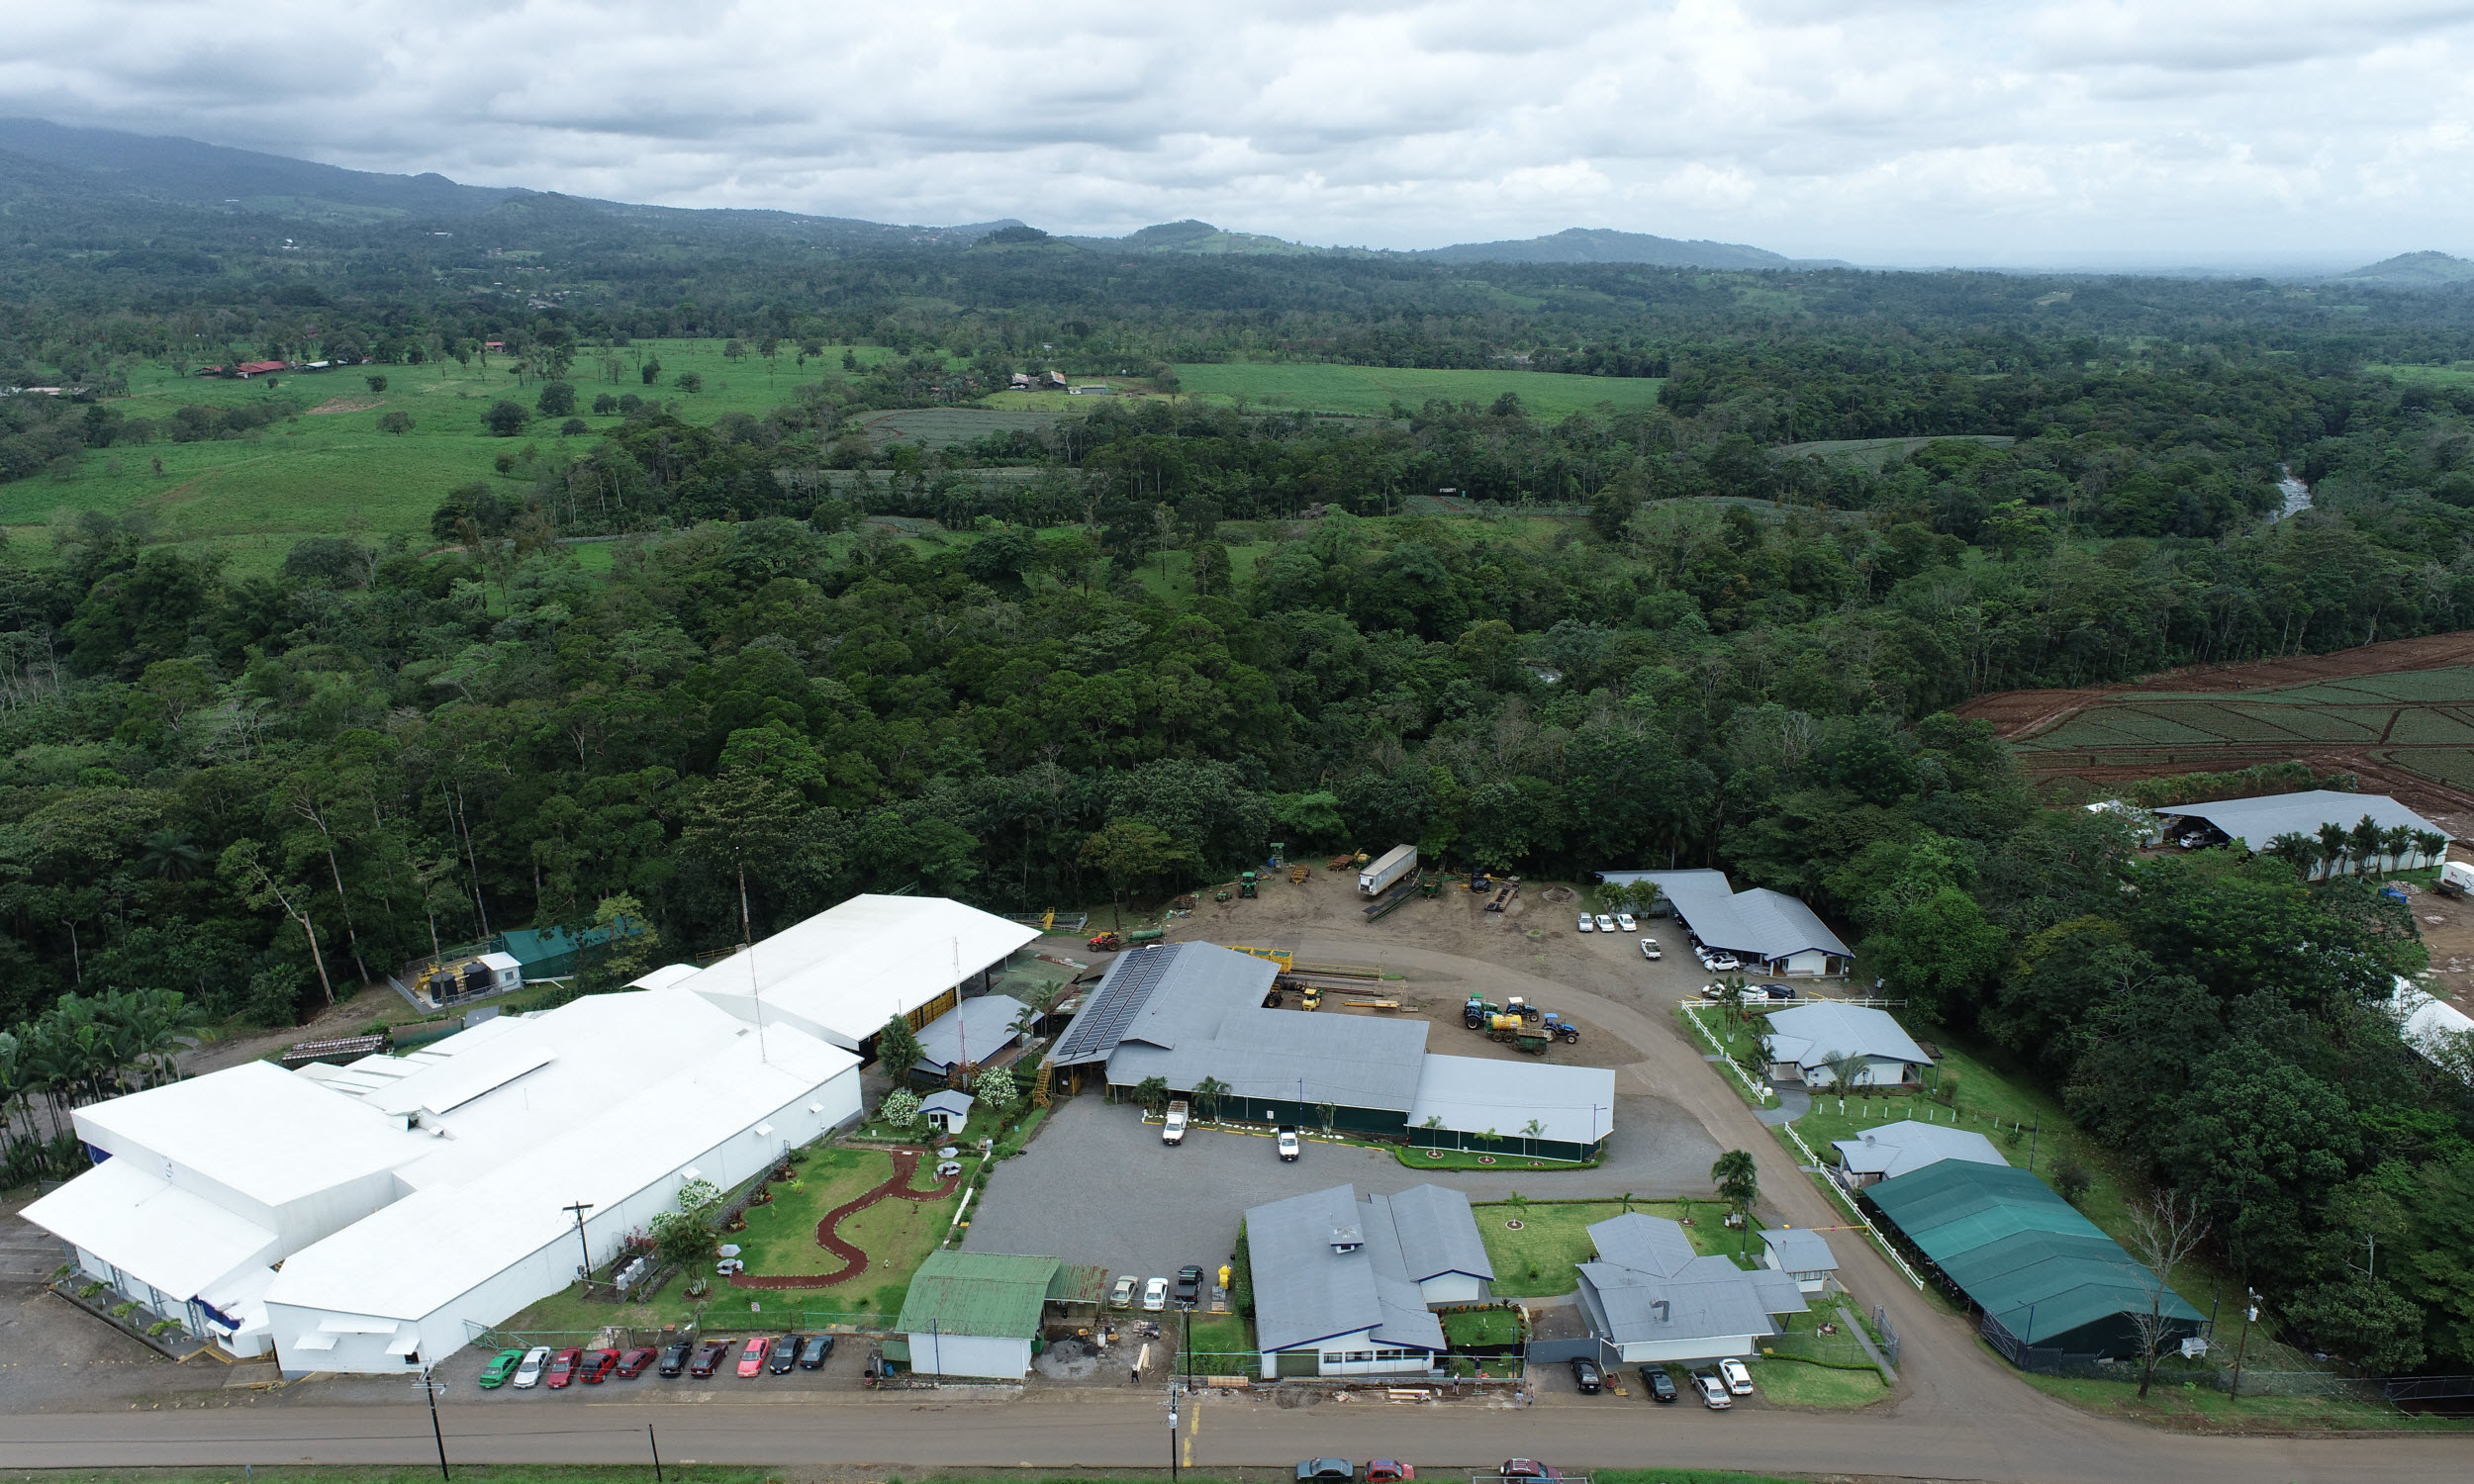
(1800,1250)
(2253,822)
(1653,1298)
(1770,926)
(974,1030)
(1898,1149)
(1186,1011)
(1806,1035)
(1331,1263)
(1465,1096)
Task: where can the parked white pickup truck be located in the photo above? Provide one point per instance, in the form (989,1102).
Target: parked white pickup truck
(1172,1130)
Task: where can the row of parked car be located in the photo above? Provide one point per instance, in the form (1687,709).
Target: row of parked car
(1156,1293)
(1716,1385)
(558,1369)
(1600,922)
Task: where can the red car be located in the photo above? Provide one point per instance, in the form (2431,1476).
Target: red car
(1388,1471)
(632,1363)
(752,1358)
(562,1368)
(595,1366)
(708,1359)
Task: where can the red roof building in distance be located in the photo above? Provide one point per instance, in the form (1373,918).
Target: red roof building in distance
(248,369)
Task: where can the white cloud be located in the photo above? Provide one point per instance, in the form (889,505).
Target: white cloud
(1876,130)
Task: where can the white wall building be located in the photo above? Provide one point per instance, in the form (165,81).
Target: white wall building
(409,1199)
(1801,1041)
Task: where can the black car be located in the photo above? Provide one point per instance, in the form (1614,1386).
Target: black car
(1188,1286)
(1777,991)
(708,1359)
(674,1358)
(785,1354)
(1659,1385)
(1587,1376)
(813,1352)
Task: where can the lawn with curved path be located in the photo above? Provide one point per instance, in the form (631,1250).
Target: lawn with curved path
(765,1249)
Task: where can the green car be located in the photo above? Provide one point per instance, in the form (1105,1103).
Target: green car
(500,1366)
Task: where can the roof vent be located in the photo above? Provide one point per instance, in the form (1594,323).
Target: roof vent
(1662,1307)
(1869,1136)
(1347,1239)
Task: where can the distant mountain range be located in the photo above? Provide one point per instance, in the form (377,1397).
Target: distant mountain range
(2413,270)
(1599,245)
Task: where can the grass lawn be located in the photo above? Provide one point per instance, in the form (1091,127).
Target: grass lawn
(382,1474)
(1799,1383)
(2176,1403)
(1468,1327)
(1370,390)
(897,1235)
(1450,1158)
(1538,1259)
(780,1236)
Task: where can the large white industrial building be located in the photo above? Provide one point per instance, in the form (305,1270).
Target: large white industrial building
(356,1218)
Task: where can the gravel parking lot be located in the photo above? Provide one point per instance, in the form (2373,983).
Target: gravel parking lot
(1099,1186)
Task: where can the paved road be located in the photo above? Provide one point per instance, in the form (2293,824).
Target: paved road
(1114,1430)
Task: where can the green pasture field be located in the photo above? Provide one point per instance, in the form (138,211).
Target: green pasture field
(2417,708)
(330,471)
(942,426)
(1371,389)
(2458,374)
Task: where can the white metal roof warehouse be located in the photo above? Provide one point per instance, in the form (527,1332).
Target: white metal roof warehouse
(845,971)
(353,1217)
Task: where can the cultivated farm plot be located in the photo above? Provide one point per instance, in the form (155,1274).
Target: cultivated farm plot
(1874,453)
(2419,722)
(943,426)
(1369,391)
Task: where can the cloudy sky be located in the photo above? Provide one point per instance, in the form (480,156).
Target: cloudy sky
(2106,132)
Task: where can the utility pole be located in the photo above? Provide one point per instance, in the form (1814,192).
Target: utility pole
(656,1442)
(430,1389)
(1172,1433)
(584,1274)
(2250,1315)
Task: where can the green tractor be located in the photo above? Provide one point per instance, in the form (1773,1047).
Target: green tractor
(1245,883)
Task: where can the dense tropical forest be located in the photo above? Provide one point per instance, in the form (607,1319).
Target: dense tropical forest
(1138,645)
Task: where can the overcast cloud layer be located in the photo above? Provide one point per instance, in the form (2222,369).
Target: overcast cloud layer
(2077,131)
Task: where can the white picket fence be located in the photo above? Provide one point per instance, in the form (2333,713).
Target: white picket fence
(1760,1092)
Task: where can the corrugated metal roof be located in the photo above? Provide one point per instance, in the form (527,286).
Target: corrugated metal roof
(2019,1252)
(1306,1289)
(1768,924)
(2256,821)
(992,1294)
(981,1027)
(1652,1286)
(1897,1148)
(1806,1034)
(1801,1249)
(1472,1095)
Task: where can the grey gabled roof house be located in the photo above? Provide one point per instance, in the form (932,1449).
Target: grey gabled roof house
(1333,1267)
(1651,1297)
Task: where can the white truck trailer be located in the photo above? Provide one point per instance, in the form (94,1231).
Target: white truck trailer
(1396,862)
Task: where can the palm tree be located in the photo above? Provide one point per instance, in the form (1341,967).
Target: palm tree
(1842,1067)
(1738,1183)
(1152,1094)
(1207,1095)
(2432,844)
(2297,849)
(2395,840)
(2364,841)
(2331,846)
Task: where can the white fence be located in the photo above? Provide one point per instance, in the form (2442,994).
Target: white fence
(1847,1199)
(1760,1092)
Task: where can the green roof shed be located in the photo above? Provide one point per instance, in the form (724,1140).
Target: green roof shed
(989,1294)
(2035,1266)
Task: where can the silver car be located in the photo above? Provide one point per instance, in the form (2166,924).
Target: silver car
(1649,948)
(1586,925)
(528,1375)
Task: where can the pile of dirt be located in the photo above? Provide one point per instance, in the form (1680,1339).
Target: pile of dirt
(342,404)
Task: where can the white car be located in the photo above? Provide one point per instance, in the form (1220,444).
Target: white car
(1155,1295)
(528,1375)
(1724,964)
(1289,1145)
(1738,1380)
(1648,948)
(1606,924)
(1713,1391)
(1586,925)
(1624,921)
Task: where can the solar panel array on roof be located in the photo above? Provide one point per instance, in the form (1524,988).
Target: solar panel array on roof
(1123,991)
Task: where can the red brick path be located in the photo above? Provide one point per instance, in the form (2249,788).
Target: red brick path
(855,1261)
